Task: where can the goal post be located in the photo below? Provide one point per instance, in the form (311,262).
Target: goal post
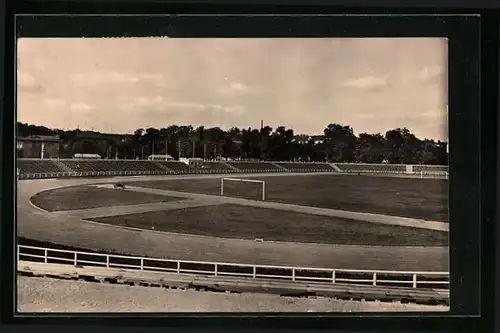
(263,186)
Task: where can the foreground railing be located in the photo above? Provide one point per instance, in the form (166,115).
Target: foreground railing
(434,280)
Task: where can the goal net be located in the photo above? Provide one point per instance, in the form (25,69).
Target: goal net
(243,188)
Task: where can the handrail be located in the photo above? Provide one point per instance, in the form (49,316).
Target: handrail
(415,279)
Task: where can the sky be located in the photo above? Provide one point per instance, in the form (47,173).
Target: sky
(117,85)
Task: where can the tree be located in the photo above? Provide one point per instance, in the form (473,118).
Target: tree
(370,148)
(402,146)
(340,143)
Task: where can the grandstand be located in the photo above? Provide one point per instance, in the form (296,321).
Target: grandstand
(35,166)
(175,166)
(305,166)
(255,166)
(430,169)
(112,165)
(46,168)
(372,168)
(215,166)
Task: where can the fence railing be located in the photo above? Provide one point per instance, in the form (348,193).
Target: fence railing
(43,175)
(429,280)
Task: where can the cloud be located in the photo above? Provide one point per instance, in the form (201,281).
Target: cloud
(161,103)
(429,72)
(93,78)
(236,88)
(366,116)
(143,101)
(81,107)
(185,105)
(365,82)
(157,79)
(53,103)
(25,79)
(27,83)
(435,113)
(234,110)
(121,77)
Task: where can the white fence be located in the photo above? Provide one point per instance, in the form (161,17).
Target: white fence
(43,175)
(430,280)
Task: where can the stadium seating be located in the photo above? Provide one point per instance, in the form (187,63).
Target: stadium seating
(430,169)
(131,166)
(371,168)
(214,166)
(175,166)
(254,166)
(42,168)
(305,166)
(37,166)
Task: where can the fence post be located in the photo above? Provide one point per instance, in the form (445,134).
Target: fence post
(142,264)
(215,270)
(75,260)
(263,190)
(333,276)
(414,280)
(293,274)
(374,278)
(254,272)
(18,253)
(178,267)
(107,261)
(222,186)
(45,252)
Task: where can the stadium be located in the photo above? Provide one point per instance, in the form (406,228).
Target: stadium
(201,164)
(352,225)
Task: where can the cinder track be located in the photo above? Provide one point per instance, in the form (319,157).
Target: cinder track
(69,229)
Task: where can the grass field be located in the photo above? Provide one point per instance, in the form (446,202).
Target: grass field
(406,197)
(243,222)
(86,197)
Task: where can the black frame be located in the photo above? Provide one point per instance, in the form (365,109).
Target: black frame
(471,173)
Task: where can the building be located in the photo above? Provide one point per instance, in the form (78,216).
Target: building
(160,157)
(38,146)
(193,162)
(303,139)
(317,139)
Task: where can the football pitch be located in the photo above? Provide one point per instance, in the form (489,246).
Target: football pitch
(405,197)
(202,216)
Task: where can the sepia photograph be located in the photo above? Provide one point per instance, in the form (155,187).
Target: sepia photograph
(232,175)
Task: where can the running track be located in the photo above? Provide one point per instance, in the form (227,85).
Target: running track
(69,229)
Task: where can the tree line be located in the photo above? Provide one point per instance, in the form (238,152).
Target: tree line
(337,144)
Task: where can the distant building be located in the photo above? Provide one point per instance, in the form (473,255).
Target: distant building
(303,139)
(193,162)
(38,146)
(83,156)
(318,139)
(160,157)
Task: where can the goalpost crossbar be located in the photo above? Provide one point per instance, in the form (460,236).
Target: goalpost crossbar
(245,181)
